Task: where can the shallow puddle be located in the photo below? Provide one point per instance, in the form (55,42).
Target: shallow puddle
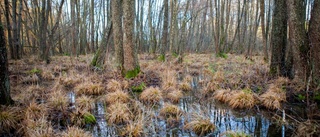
(224,118)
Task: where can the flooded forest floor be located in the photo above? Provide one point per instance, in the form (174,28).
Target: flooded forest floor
(203,96)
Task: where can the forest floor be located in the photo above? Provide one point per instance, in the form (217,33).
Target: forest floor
(191,98)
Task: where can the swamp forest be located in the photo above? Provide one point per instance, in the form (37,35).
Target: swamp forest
(175,68)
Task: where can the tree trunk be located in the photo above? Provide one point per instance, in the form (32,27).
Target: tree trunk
(7,14)
(92,26)
(263,31)
(117,32)
(5,98)
(298,36)
(131,65)
(279,38)
(314,38)
(164,39)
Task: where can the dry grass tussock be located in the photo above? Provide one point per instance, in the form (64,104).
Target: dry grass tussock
(35,110)
(222,95)
(38,128)
(85,103)
(151,95)
(118,96)
(185,86)
(118,113)
(242,99)
(171,113)
(308,129)
(89,88)
(58,101)
(200,125)
(113,85)
(175,95)
(75,132)
(70,80)
(273,97)
(9,119)
(133,129)
(169,80)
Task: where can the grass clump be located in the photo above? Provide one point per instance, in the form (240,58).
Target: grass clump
(185,86)
(308,128)
(133,129)
(222,95)
(242,99)
(75,132)
(273,97)
(200,125)
(175,96)
(118,113)
(85,103)
(151,95)
(113,85)
(8,119)
(118,96)
(38,128)
(58,101)
(89,88)
(171,113)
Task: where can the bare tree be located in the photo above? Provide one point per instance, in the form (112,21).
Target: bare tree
(131,64)
(5,98)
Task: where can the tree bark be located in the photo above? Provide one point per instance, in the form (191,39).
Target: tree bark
(314,38)
(131,65)
(117,32)
(263,31)
(279,38)
(164,39)
(5,98)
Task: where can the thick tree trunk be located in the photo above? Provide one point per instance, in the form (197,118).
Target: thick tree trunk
(314,38)
(131,65)
(279,38)
(117,32)
(298,36)
(5,98)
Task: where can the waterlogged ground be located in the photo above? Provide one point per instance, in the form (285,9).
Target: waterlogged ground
(70,98)
(247,122)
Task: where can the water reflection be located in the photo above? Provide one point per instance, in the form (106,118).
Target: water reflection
(224,118)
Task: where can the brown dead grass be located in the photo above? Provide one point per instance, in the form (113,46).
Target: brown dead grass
(200,125)
(85,103)
(222,95)
(118,96)
(151,95)
(242,99)
(133,129)
(118,113)
(175,96)
(75,132)
(89,88)
(113,85)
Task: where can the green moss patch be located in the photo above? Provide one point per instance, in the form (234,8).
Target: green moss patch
(139,88)
(132,73)
(34,71)
(162,58)
(89,118)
